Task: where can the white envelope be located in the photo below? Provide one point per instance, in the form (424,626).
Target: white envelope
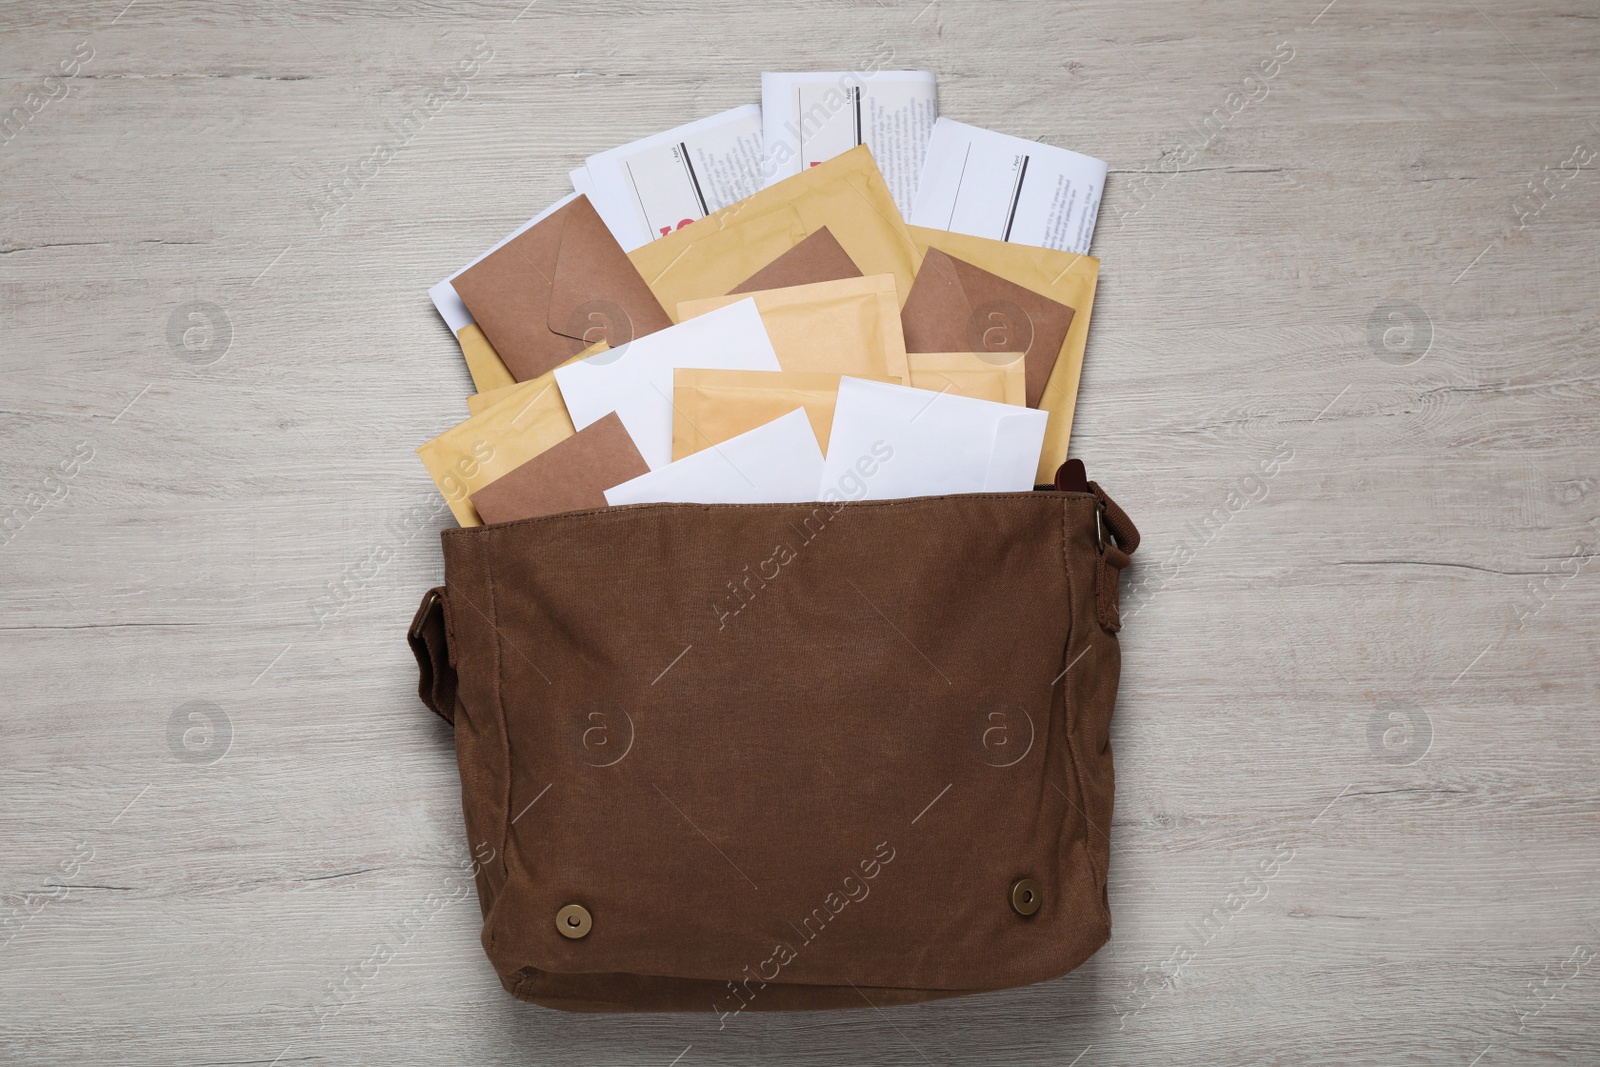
(635,379)
(443,295)
(893,441)
(648,188)
(777,463)
(1006,188)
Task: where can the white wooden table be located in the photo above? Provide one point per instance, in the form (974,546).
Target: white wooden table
(1357,744)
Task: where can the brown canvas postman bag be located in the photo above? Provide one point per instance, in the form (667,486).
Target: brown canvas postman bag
(784,756)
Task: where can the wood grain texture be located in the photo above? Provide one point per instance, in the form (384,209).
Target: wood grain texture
(1418,565)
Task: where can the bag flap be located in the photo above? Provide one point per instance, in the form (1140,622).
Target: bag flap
(795,744)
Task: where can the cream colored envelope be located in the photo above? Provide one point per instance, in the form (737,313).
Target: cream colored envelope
(712,406)
(849,326)
(527,418)
(1063,276)
(971,374)
(846,194)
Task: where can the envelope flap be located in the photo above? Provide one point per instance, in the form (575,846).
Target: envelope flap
(961,306)
(1046,318)
(508,292)
(937,311)
(1015,453)
(513,280)
(596,294)
(1008,317)
(818,258)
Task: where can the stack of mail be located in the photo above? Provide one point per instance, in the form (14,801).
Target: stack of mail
(738,311)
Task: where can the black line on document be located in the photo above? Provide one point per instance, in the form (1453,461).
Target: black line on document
(954,200)
(694,180)
(1016,196)
(637,199)
(800,127)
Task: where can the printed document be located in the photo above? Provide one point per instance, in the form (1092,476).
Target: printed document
(651,187)
(810,118)
(989,184)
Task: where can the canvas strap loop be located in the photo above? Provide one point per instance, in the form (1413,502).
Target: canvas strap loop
(429,640)
(1116,552)
(1115,534)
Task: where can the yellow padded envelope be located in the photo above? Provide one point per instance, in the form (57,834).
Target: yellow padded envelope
(971,374)
(527,418)
(849,326)
(710,256)
(711,406)
(483,362)
(1063,276)
(479,402)
(484,399)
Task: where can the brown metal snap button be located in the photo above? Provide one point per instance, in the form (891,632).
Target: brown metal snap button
(1026,896)
(574,921)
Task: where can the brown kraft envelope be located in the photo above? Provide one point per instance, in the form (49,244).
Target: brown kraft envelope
(957,307)
(556,289)
(818,258)
(572,475)
(1066,277)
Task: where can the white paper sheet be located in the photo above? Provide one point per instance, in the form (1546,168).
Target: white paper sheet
(808,118)
(635,379)
(778,463)
(651,187)
(1007,188)
(443,295)
(585,185)
(893,441)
